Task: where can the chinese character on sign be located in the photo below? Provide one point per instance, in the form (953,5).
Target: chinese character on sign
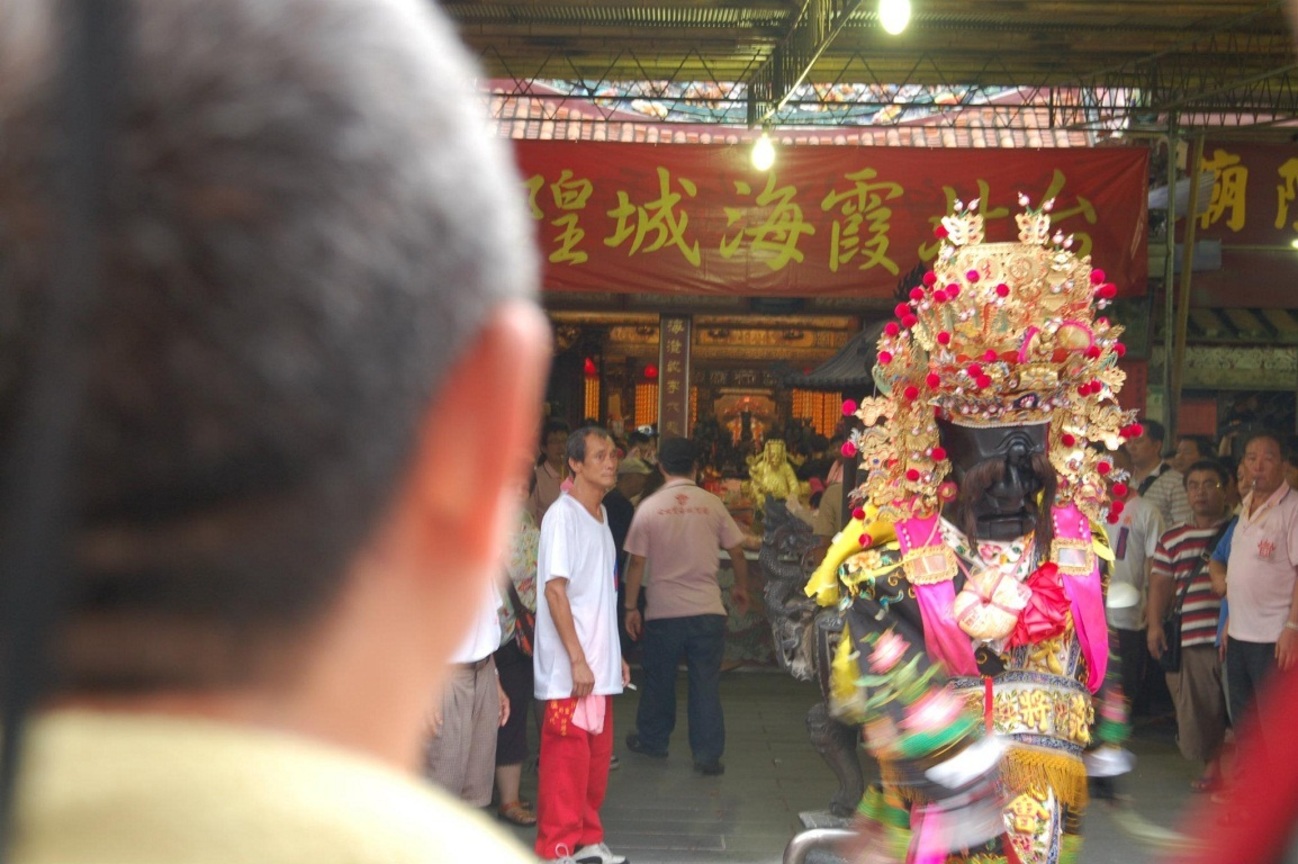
(861,226)
(1285,191)
(657,221)
(1083,208)
(775,241)
(1227,191)
(675,367)
(569,195)
(675,346)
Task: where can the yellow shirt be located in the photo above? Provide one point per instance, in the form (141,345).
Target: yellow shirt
(138,789)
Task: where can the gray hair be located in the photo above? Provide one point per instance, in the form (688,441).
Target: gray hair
(308,221)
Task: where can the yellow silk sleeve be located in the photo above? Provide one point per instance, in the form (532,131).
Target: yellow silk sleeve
(823,586)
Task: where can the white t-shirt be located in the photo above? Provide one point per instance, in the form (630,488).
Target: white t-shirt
(1134,539)
(577,547)
(484,637)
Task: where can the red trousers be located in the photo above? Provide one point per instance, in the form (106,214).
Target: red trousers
(571,782)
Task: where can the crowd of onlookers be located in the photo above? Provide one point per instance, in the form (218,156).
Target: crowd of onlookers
(1207,537)
(1207,547)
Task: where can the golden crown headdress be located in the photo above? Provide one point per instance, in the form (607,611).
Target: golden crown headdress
(998,334)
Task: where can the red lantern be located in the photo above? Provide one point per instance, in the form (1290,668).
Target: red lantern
(588,366)
(650,372)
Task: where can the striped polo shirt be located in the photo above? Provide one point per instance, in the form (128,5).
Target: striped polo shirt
(1182,554)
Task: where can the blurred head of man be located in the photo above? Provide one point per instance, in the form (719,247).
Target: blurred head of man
(1291,467)
(311,271)
(632,474)
(1190,449)
(554,443)
(1147,449)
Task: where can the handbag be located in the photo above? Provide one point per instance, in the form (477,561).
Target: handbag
(1170,659)
(524,621)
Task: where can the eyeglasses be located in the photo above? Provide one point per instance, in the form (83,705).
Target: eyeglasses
(1206,486)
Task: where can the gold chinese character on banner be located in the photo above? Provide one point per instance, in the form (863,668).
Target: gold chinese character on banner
(774,242)
(661,222)
(862,222)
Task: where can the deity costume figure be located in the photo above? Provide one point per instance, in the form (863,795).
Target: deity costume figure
(771,475)
(975,651)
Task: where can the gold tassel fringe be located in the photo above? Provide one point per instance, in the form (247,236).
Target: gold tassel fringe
(1027,767)
(1022,769)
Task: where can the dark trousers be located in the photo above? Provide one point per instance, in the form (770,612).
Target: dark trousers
(515,670)
(1131,651)
(1143,682)
(702,639)
(1248,665)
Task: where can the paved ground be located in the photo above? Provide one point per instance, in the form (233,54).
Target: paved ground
(661,812)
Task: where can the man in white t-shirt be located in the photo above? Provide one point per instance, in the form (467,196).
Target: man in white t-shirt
(1262,576)
(461,752)
(1134,539)
(578,661)
(679,529)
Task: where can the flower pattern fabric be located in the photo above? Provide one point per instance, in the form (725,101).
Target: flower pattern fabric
(521,570)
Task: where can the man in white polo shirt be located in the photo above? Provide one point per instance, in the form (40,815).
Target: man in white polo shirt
(1262,576)
(577,663)
(678,530)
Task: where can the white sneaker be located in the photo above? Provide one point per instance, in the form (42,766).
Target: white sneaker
(597,853)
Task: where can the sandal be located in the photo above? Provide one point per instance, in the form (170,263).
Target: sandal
(517,813)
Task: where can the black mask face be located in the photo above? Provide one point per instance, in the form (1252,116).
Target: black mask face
(999,472)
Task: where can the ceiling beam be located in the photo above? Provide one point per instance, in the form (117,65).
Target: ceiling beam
(817,25)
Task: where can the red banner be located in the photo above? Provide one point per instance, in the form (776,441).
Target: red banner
(1253,212)
(825,221)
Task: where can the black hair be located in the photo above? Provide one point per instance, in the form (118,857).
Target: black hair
(1272,435)
(576,448)
(679,463)
(1212,465)
(550,427)
(1202,443)
(981,477)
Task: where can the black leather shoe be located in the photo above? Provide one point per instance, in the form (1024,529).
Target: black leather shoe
(710,769)
(633,744)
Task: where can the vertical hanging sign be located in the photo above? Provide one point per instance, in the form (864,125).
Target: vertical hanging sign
(674,376)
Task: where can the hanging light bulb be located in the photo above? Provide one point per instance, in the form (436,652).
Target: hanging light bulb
(894,15)
(763,152)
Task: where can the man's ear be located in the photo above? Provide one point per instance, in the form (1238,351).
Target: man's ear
(478,438)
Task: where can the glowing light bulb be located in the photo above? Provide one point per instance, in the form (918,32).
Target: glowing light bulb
(763,153)
(894,15)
